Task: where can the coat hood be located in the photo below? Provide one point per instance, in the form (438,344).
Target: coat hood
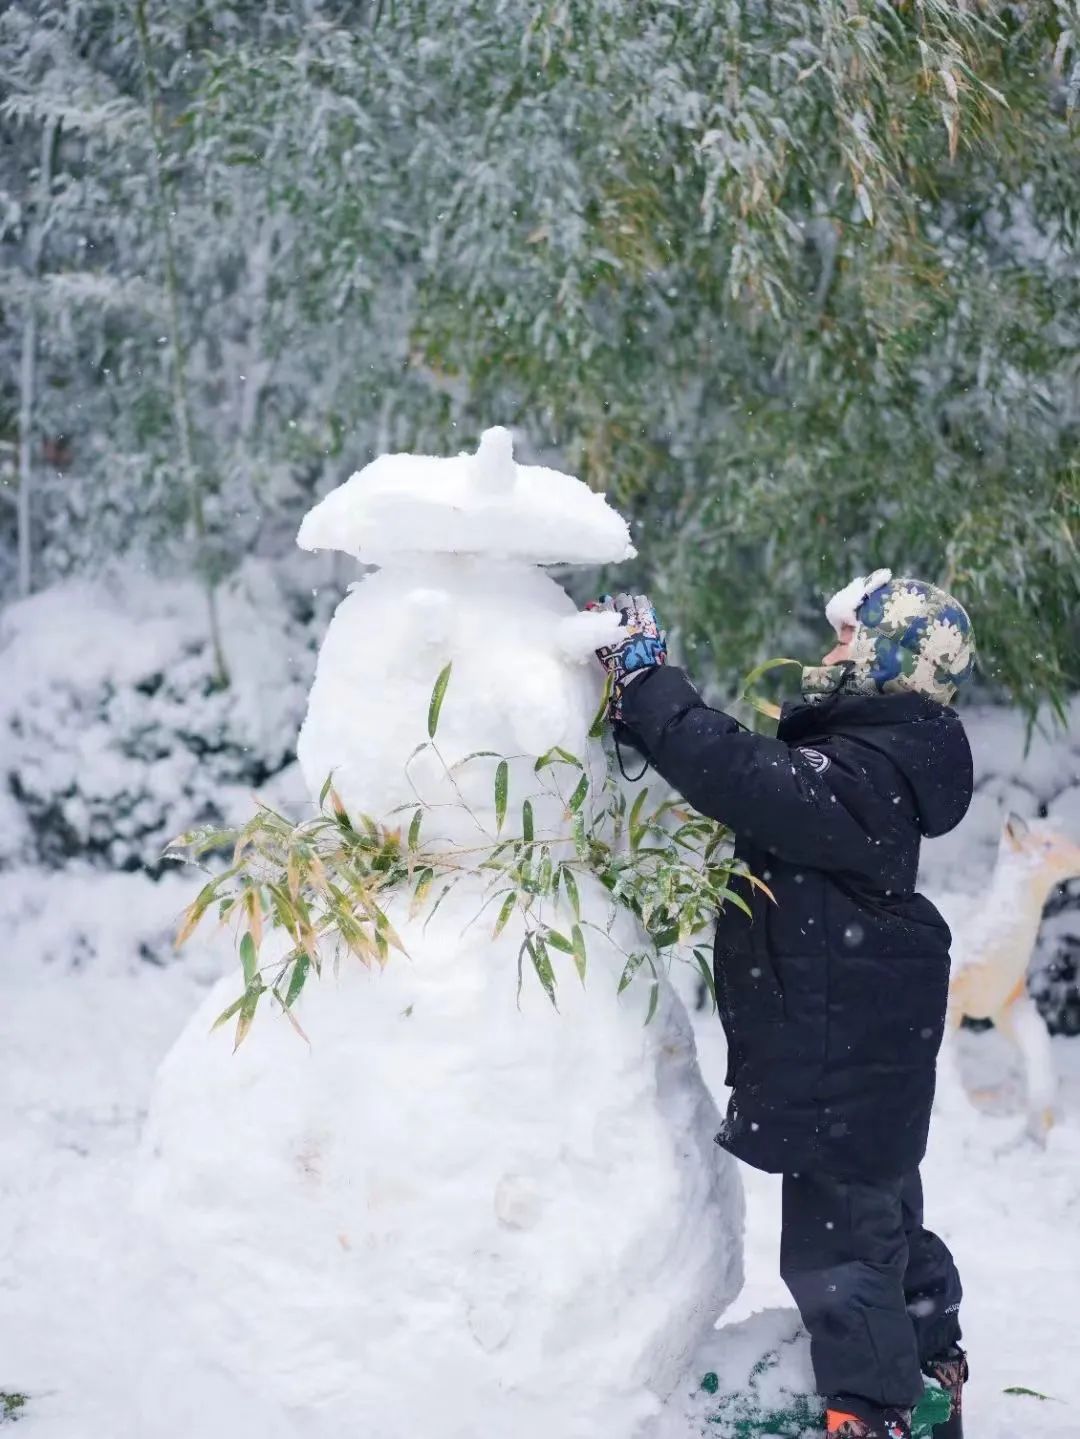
(925,740)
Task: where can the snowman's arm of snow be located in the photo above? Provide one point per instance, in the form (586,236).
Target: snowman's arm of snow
(426,619)
(580,636)
(813,807)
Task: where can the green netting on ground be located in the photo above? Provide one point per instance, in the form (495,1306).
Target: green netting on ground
(755,1414)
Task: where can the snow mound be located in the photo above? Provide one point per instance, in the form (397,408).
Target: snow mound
(471,504)
(453,1215)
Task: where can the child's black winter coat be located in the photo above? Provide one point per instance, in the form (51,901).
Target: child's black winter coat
(834,997)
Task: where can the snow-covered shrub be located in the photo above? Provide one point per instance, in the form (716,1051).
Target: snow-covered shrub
(1055,972)
(114,735)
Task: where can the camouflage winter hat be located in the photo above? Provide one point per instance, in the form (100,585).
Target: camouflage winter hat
(909,635)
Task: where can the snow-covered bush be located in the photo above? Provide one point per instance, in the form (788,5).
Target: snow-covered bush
(114,735)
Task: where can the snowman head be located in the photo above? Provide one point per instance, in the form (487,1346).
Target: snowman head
(480,504)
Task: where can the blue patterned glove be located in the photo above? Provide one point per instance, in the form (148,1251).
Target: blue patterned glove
(644,646)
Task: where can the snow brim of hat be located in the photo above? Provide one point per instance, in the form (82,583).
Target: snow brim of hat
(468,504)
(843,608)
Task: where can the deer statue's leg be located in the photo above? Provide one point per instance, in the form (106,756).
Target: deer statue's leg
(1021,1022)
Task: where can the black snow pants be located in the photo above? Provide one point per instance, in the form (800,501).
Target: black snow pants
(878,1293)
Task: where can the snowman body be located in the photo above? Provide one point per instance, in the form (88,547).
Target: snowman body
(458,1211)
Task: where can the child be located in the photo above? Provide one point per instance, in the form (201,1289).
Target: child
(833,998)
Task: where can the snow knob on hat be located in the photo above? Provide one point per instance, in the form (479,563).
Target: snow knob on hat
(483,503)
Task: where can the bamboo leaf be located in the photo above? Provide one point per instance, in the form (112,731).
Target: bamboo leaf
(577,799)
(504,914)
(195,911)
(596,729)
(423,884)
(476,754)
(244,838)
(248,1005)
(520,963)
(386,933)
(527,820)
(763,706)
(248,957)
(567,757)
(633,964)
(328,783)
(557,755)
(434,908)
(707,975)
(577,944)
(502,787)
(570,885)
(227,1014)
(438,694)
(287,1012)
(297,979)
(542,964)
(558,941)
(254,910)
(654,996)
(414,830)
(634,826)
(201,841)
(760,884)
(728,896)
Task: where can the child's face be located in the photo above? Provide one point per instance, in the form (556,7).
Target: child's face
(842,650)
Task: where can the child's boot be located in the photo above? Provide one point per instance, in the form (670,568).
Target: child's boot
(950,1370)
(855,1419)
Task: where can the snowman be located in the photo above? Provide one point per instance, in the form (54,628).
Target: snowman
(457,1211)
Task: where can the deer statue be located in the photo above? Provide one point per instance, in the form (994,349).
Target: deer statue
(993,949)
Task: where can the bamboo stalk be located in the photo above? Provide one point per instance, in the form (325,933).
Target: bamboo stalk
(28,369)
(181,397)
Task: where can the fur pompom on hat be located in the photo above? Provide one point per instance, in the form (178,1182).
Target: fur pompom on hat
(843,608)
(909,635)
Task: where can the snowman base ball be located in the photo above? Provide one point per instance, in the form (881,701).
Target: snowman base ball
(458,1211)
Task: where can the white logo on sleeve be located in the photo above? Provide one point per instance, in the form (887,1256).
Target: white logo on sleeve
(817,761)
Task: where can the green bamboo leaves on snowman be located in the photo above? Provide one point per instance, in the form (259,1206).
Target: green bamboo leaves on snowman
(324,887)
(438,694)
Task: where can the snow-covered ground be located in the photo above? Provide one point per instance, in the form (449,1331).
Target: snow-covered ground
(92,997)
(84,1024)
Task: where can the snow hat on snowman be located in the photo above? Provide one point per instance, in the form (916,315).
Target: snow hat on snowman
(897,635)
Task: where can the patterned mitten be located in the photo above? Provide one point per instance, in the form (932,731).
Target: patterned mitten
(643,646)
